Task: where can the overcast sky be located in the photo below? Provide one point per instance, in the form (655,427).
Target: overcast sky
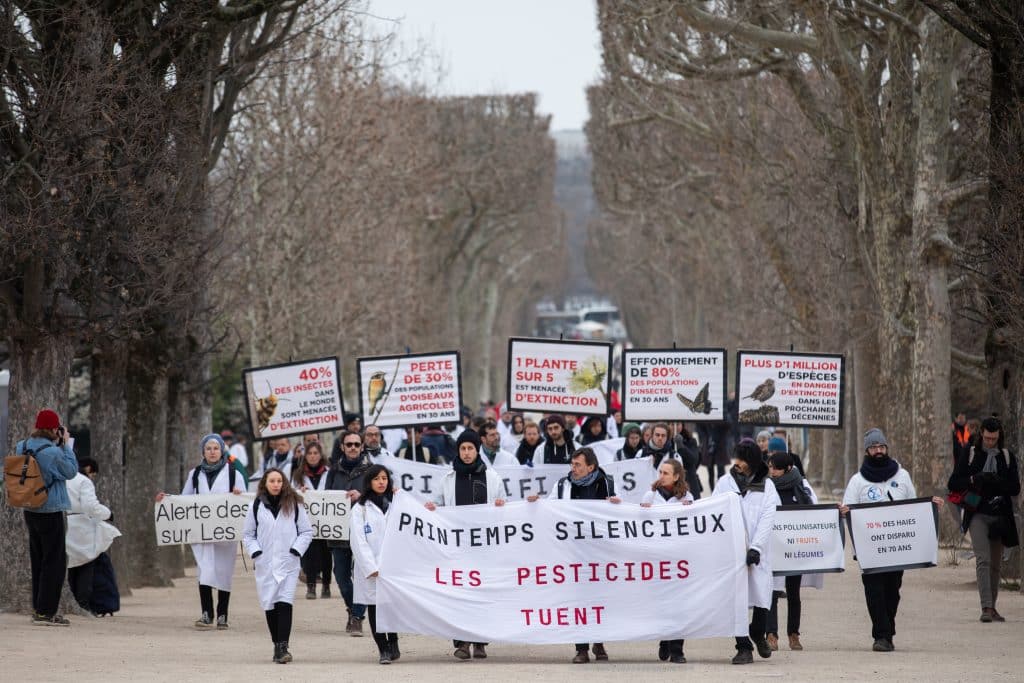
(550,47)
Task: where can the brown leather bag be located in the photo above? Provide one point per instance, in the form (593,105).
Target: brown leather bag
(23,481)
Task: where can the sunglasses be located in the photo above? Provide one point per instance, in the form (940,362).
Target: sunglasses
(352,444)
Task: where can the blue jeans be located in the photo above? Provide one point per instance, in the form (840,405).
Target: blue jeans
(343,574)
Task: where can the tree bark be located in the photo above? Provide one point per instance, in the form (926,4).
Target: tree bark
(40,378)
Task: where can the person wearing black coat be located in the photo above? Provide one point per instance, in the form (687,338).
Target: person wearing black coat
(689,453)
(988,476)
(346,474)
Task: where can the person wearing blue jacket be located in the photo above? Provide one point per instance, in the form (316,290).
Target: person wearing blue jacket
(45,523)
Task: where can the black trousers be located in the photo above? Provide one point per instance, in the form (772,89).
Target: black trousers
(206,601)
(758,628)
(882,593)
(279,622)
(80,581)
(383,640)
(317,562)
(792,608)
(585,647)
(49,559)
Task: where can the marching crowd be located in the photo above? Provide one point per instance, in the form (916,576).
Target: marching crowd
(278,536)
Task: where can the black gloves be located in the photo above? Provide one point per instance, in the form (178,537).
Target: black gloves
(257,554)
(296,553)
(753,557)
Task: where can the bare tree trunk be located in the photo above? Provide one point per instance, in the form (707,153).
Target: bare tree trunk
(147,462)
(108,409)
(171,556)
(40,377)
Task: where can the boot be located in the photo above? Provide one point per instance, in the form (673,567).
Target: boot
(285,655)
(385,655)
(773,642)
(663,650)
(325,592)
(986,615)
(311,591)
(582,657)
(357,627)
(743,657)
(763,648)
(996,616)
(396,654)
(277,652)
(599,652)
(794,642)
(462,652)
(479,652)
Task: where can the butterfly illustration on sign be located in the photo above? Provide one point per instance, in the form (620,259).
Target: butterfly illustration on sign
(700,404)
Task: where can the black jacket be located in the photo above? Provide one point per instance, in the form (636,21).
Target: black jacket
(603,487)
(341,479)
(995,489)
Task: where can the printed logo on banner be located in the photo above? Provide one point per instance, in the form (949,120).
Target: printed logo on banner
(293,398)
(559,376)
(410,390)
(673,384)
(790,389)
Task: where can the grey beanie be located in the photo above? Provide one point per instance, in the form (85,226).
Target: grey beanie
(874,437)
(764,433)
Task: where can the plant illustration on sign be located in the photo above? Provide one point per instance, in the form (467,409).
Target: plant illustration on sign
(588,376)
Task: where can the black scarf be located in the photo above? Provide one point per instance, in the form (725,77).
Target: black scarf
(275,460)
(659,454)
(524,453)
(878,469)
(349,464)
(211,471)
(470,481)
(667,494)
(381,500)
(629,452)
(272,503)
(559,455)
(474,467)
(750,482)
(792,481)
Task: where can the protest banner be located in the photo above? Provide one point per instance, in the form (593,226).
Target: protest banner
(790,389)
(559,376)
(564,571)
(673,384)
(293,398)
(410,390)
(895,535)
(807,539)
(632,477)
(219,517)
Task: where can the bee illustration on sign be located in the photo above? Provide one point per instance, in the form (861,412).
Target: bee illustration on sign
(265,409)
(700,404)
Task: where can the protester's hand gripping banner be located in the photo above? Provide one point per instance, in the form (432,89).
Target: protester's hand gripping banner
(410,390)
(564,571)
(632,477)
(293,398)
(219,517)
(673,384)
(896,535)
(807,539)
(790,389)
(559,376)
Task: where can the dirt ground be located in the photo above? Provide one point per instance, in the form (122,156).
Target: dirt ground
(151,638)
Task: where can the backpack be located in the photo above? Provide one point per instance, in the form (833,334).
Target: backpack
(256,517)
(231,475)
(23,480)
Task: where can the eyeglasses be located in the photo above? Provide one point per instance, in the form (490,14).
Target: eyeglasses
(352,444)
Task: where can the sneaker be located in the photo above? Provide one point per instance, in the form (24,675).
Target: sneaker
(55,620)
(773,642)
(357,628)
(462,652)
(763,648)
(794,642)
(204,622)
(986,615)
(285,655)
(385,656)
(677,659)
(222,622)
(350,624)
(882,645)
(311,592)
(325,592)
(599,652)
(743,657)
(479,652)
(663,650)
(582,657)
(997,616)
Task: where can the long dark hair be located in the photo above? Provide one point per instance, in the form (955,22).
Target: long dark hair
(368,493)
(290,498)
(299,468)
(680,488)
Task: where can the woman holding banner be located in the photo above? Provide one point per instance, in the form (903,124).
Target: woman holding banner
(276,533)
(311,475)
(793,490)
(369,520)
(470,482)
(215,562)
(749,479)
(670,488)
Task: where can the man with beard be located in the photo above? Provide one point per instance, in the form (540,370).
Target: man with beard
(558,448)
(372,443)
(880,480)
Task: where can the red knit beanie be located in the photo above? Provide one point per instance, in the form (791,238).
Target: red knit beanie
(47,419)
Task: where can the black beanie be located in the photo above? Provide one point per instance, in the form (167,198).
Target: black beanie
(748,451)
(468,436)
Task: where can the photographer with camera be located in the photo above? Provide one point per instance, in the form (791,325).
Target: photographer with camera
(45,523)
(987,474)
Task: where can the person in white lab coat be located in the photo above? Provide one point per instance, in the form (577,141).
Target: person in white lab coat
(749,479)
(311,475)
(471,482)
(276,533)
(490,447)
(88,535)
(215,562)
(669,489)
(369,519)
